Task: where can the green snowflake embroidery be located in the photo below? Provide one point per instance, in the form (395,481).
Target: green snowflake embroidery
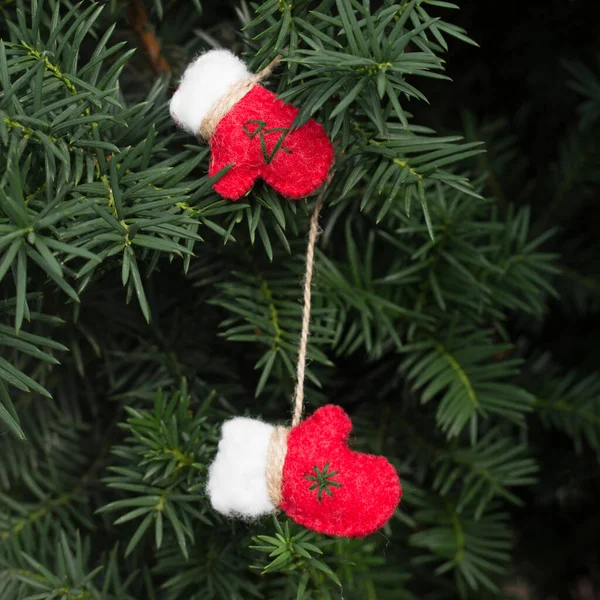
(254,127)
(322,480)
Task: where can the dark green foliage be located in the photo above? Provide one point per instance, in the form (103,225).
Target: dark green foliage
(174,445)
(138,309)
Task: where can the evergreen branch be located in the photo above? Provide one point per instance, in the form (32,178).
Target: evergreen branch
(17,526)
(64,572)
(297,551)
(165,480)
(264,312)
(460,372)
(476,548)
(566,401)
(468,383)
(484,472)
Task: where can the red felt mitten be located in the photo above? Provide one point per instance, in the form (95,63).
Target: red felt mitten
(331,489)
(249,130)
(255,138)
(321,483)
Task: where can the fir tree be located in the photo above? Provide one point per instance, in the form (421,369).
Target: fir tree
(138,309)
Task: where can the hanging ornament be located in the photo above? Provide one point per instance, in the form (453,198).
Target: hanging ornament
(308,471)
(249,129)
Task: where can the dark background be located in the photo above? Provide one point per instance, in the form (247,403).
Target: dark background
(518,78)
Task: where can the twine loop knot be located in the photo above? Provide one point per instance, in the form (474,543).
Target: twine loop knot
(275,461)
(233,95)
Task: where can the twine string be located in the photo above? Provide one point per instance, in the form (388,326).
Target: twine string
(275,460)
(277,449)
(314,232)
(278,442)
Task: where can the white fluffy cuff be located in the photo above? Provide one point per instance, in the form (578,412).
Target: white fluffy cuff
(205,81)
(237,479)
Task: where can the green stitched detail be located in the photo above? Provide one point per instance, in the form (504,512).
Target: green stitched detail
(262,131)
(253,134)
(322,480)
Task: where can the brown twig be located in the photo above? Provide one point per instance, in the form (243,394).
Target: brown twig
(138,20)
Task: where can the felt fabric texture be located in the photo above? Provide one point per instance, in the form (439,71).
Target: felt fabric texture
(254,138)
(237,483)
(331,489)
(204,81)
